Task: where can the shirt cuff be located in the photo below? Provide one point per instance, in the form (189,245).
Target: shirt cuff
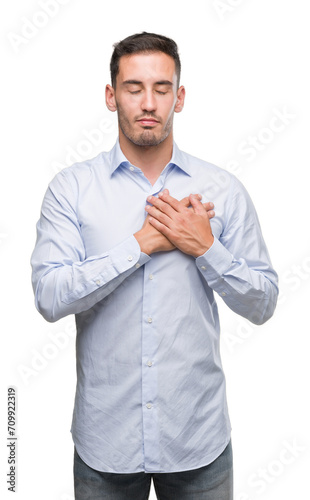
(128,254)
(215,261)
(126,257)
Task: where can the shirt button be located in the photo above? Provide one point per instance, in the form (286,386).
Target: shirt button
(149,320)
(98,282)
(151,276)
(223,294)
(149,406)
(137,265)
(149,363)
(203,268)
(131,169)
(129,258)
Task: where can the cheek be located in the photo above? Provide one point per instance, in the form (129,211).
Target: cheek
(127,104)
(168,106)
(126,111)
(168,112)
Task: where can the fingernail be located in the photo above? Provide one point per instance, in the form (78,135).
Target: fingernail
(211,204)
(149,198)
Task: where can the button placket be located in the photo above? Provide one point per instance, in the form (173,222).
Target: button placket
(150,362)
(149,369)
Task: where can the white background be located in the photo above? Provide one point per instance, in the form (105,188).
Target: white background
(243,62)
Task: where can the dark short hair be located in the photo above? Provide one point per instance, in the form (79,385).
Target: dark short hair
(144,42)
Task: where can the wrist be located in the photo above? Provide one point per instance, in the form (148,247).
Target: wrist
(203,249)
(143,242)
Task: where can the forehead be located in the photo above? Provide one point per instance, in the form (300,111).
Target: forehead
(147,67)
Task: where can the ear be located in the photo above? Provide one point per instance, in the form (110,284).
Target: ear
(110,98)
(180,100)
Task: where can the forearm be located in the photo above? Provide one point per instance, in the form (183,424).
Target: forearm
(61,290)
(249,290)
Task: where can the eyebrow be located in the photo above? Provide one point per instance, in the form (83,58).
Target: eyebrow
(138,82)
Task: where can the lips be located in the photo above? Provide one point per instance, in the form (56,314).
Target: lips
(148,121)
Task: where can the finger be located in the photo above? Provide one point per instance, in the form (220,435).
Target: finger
(197,205)
(158,214)
(198,196)
(175,204)
(209,209)
(161,205)
(185,201)
(160,227)
(208,206)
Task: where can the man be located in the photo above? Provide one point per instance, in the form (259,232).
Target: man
(128,242)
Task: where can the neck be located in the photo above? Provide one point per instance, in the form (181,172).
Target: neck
(150,159)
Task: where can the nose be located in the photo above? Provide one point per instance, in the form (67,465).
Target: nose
(148,102)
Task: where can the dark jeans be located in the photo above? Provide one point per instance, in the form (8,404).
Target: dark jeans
(212,482)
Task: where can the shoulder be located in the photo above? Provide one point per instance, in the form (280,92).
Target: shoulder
(80,173)
(208,174)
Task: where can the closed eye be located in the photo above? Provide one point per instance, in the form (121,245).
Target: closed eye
(137,92)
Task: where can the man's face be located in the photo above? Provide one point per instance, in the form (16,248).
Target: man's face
(146,97)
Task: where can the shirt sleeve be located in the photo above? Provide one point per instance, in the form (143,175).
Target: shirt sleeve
(64,280)
(237,266)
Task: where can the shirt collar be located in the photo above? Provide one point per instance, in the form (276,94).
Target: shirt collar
(179,159)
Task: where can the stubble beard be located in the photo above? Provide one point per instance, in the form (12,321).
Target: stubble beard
(147,136)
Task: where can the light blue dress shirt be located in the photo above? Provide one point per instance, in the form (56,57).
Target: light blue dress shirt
(150,390)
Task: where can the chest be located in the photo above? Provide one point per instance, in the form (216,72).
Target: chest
(110,210)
